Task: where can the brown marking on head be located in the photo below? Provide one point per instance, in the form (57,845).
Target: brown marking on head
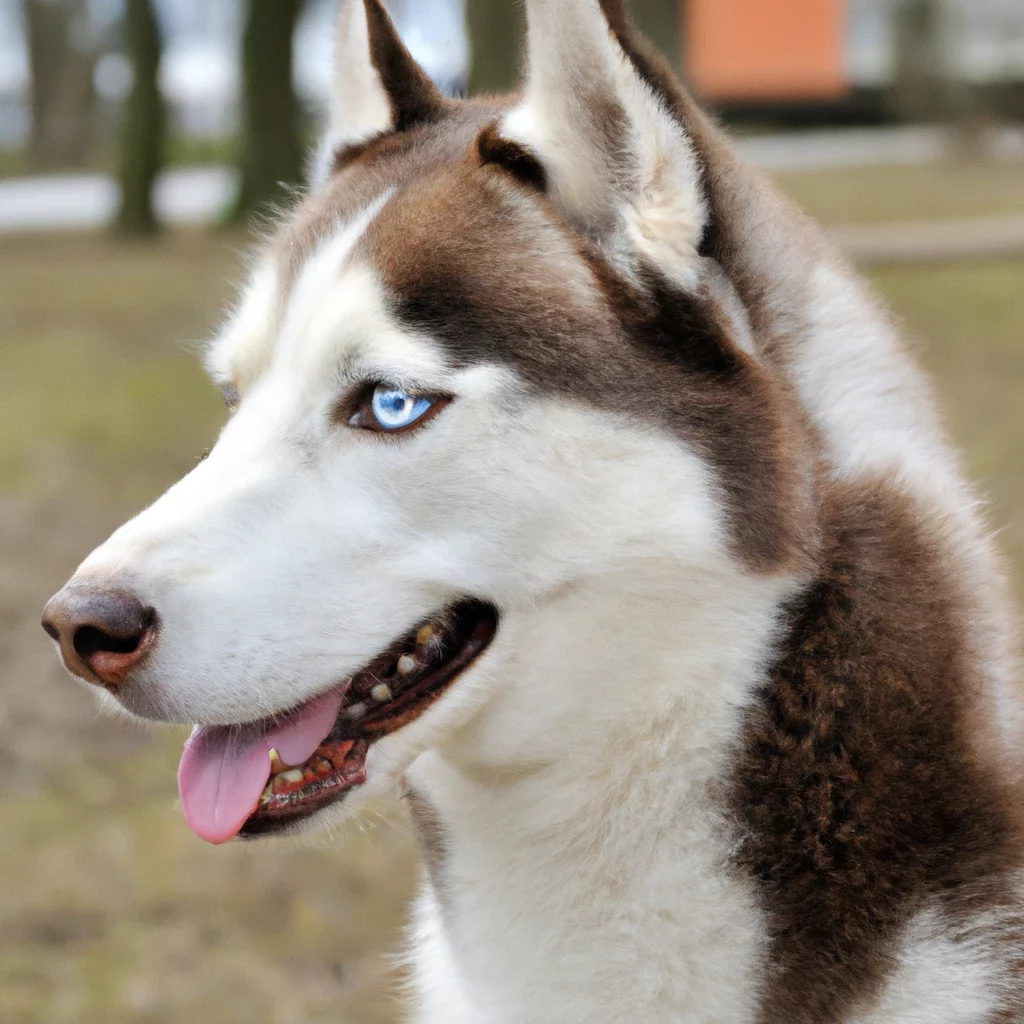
(490,271)
(860,791)
(348,155)
(366,171)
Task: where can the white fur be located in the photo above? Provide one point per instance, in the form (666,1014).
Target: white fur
(246,343)
(584,842)
(946,972)
(438,987)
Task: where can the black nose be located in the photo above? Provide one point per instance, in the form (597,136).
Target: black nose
(103,633)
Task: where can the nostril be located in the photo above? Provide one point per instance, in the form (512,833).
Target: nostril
(51,630)
(89,640)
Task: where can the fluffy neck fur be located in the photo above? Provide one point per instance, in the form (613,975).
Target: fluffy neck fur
(579,851)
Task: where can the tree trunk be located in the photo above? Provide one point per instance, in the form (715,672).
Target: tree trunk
(62,94)
(271,151)
(145,119)
(925,84)
(661,22)
(496,31)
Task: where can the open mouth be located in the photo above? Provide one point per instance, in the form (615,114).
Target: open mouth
(261,777)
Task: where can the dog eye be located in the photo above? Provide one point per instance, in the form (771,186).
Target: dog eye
(391,410)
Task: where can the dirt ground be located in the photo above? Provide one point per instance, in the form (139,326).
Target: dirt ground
(110,910)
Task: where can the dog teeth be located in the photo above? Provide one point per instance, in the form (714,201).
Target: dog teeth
(407,664)
(381,693)
(355,711)
(267,795)
(276,764)
(292,776)
(423,637)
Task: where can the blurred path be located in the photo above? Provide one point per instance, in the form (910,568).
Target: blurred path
(932,241)
(81,201)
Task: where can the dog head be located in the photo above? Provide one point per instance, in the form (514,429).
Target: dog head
(484,368)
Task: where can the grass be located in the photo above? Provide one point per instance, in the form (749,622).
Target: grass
(967,324)
(110,911)
(97,362)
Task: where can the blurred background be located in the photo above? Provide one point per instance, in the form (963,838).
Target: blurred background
(140,140)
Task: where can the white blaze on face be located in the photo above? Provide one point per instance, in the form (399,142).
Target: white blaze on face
(302,546)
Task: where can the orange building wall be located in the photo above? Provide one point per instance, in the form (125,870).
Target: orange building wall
(765,49)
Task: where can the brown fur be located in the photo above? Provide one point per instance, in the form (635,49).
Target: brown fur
(860,792)
(731,410)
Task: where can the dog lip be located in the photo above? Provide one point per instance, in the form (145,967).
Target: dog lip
(388,699)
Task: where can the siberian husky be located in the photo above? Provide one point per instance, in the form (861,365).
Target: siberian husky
(576,489)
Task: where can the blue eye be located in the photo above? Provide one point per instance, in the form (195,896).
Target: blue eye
(394,409)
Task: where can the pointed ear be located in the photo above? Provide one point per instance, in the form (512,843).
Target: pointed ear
(377,86)
(618,163)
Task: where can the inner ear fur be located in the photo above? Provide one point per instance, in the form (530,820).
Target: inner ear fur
(618,163)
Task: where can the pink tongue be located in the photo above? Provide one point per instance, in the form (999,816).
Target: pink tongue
(224,769)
